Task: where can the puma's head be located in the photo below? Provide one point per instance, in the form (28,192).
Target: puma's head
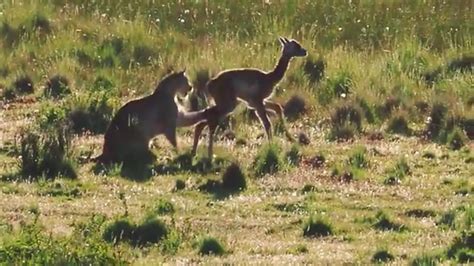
(182,83)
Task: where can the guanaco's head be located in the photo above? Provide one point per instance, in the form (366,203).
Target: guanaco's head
(292,48)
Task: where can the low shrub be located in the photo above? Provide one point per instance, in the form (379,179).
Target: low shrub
(268,160)
(317,227)
(233,178)
(210,246)
(57,86)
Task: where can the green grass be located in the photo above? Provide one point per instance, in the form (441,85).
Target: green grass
(400,66)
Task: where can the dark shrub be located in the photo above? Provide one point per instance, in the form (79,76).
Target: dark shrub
(294,107)
(121,230)
(233,178)
(390,104)
(383,222)
(398,124)
(143,54)
(316,228)
(91,113)
(116,44)
(39,23)
(149,232)
(23,85)
(436,121)
(463,64)
(314,69)
(346,121)
(179,185)
(462,248)
(210,246)
(456,139)
(367,110)
(163,207)
(57,86)
(382,256)
(303,139)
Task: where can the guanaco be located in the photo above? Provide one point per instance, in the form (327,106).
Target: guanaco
(137,122)
(251,86)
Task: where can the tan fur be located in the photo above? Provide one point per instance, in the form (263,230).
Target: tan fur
(252,86)
(138,121)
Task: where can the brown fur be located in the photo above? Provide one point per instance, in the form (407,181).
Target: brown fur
(252,86)
(138,121)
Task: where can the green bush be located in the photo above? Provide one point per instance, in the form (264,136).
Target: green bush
(358,159)
(46,155)
(268,160)
(293,156)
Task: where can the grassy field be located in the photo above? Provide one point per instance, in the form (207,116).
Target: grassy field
(382,110)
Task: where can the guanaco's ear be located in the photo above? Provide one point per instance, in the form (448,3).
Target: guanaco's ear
(286,39)
(282,40)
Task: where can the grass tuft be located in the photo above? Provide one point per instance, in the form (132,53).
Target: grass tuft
(346,121)
(314,69)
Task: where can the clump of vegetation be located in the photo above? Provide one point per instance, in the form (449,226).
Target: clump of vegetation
(46,155)
(179,185)
(293,156)
(294,107)
(390,104)
(163,207)
(268,160)
(210,246)
(317,227)
(57,86)
(118,231)
(143,54)
(51,116)
(23,85)
(340,84)
(436,121)
(381,256)
(398,124)
(316,161)
(384,222)
(358,159)
(462,249)
(425,260)
(314,69)
(92,113)
(456,139)
(346,121)
(151,231)
(233,178)
(102,84)
(396,174)
(368,110)
(31,246)
(448,219)
(420,213)
(303,139)
(38,23)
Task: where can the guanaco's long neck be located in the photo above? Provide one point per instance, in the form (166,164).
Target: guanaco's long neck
(277,74)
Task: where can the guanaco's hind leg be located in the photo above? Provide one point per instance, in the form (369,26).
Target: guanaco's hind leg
(197,133)
(262,115)
(275,107)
